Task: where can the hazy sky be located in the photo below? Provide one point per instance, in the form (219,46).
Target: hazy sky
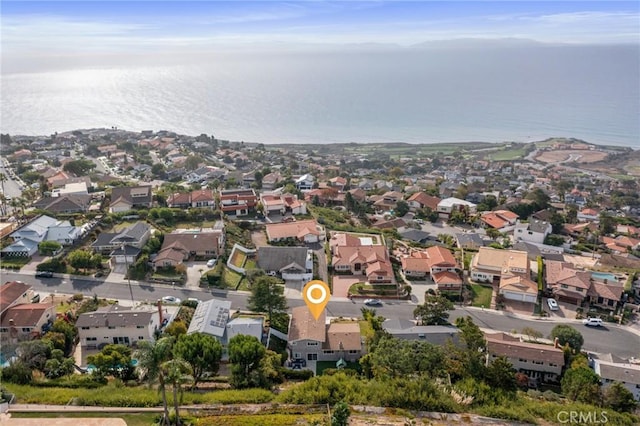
(50,27)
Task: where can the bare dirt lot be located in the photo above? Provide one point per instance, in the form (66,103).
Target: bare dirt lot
(578,156)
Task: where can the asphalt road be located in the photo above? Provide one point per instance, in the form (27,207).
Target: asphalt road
(612,338)
(11,187)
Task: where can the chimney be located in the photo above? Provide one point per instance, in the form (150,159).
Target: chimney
(556,343)
(160,311)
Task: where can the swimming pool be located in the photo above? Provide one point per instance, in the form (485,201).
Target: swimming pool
(601,276)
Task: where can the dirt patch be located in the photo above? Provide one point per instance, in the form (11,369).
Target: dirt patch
(577,156)
(259,238)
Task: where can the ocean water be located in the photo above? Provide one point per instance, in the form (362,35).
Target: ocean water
(416,95)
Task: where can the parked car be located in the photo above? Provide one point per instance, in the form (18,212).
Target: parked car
(44,274)
(592,322)
(211,263)
(171,299)
(553,305)
(99,274)
(373,302)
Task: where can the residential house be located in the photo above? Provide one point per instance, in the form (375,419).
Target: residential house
(436,262)
(489,264)
(271,181)
(7,228)
(272,204)
(238,202)
(248,326)
(42,228)
(471,241)
(307,231)
(538,361)
(433,334)
(358,194)
(499,219)
(534,231)
(416,235)
(13,293)
(125,198)
(293,205)
(621,244)
(211,317)
(604,294)
(568,284)
(588,215)
(290,263)
(449,205)
(183,244)
(115,324)
(65,204)
(386,201)
(316,340)
(421,200)
(305,182)
(26,321)
(618,371)
(78,188)
(202,198)
(338,182)
(519,288)
(133,238)
(370,261)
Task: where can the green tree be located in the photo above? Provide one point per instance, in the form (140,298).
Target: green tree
(202,351)
(500,374)
(607,224)
(493,233)
(245,354)
(113,360)
(151,357)
(192,162)
(177,372)
(58,367)
(402,208)
(619,398)
(79,259)
(79,167)
(568,335)
(34,354)
(17,372)
(176,329)
(69,331)
(392,357)
(48,248)
(340,415)
(581,384)
(434,310)
(267,296)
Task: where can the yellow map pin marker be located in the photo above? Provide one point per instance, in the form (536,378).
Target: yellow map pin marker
(316,295)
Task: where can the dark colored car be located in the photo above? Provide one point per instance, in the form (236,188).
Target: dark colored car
(44,274)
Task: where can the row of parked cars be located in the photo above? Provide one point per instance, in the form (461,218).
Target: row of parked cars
(591,322)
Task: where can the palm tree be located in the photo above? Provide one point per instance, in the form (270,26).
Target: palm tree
(151,356)
(3,204)
(177,372)
(3,178)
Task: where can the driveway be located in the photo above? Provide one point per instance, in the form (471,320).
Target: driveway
(341,284)
(194,272)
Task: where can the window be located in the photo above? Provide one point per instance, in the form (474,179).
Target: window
(312,343)
(328,352)
(85,328)
(91,339)
(564,286)
(522,360)
(140,337)
(551,364)
(111,327)
(353,351)
(538,362)
(140,326)
(4,330)
(312,357)
(26,329)
(297,355)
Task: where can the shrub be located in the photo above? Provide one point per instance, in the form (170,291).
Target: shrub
(17,372)
(297,374)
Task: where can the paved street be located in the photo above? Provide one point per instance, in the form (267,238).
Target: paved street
(612,338)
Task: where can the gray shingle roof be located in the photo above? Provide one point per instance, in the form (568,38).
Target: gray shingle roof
(115,316)
(276,258)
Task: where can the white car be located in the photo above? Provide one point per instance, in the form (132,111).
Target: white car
(593,322)
(373,302)
(171,299)
(211,263)
(553,305)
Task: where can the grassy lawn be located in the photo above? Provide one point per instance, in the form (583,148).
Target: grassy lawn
(230,278)
(14,262)
(238,258)
(508,154)
(191,225)
(250,264)
(368,288)
(481,295)
(366,330)
(132,419)
(323,365)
